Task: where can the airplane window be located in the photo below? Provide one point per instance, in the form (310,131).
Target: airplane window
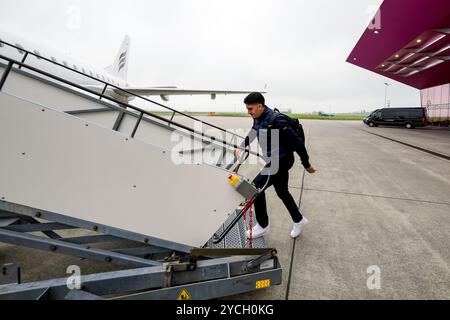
(84,71)
(54,59)
(38,55)
(65,63)
(98,77)
(90,72)
(75,67)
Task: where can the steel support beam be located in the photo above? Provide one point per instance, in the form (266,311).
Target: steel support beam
(34,227)
(55,217)
(84,111)
(32,241)
(212,278)
(212,289)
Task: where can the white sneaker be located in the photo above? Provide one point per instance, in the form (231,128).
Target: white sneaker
(258,231)
(298,228)
(254,229)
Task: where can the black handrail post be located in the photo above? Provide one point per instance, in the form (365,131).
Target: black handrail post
(171,118)
(5,74)
(104,90)
(137,124)
(23,59)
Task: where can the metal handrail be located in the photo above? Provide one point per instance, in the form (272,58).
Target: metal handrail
(107,84)
(21,64)
(12,62)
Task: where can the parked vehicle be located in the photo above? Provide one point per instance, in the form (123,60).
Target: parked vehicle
(405,117)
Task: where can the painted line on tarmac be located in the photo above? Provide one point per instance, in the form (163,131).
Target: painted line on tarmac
(291,264)
(373,195)
(288,286)
(434,153)
(376,196)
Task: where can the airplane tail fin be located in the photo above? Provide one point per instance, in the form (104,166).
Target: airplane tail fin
(120,66)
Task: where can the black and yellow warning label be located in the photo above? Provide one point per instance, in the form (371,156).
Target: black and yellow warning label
(184,295)
(262,284)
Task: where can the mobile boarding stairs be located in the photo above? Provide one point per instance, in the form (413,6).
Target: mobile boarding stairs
(81,168)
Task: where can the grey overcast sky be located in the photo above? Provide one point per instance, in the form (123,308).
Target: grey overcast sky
(297,47)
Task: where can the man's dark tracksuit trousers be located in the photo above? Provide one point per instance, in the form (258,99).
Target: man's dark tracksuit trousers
(280,182)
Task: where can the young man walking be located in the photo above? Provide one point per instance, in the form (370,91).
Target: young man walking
(281,157)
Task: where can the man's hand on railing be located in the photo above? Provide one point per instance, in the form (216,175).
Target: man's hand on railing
(237,153)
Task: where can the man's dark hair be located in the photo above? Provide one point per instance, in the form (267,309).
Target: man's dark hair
(255,97)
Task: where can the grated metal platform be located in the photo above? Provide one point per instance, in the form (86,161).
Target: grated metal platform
(236,237)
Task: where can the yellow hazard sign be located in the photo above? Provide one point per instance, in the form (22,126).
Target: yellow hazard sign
(262,284)
(184,295)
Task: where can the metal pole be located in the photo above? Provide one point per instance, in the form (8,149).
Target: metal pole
(23,59)
(448,105)
(171,118)
(103,92)
(5,74)
(137,124)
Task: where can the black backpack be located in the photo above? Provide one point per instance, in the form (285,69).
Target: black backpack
(293,123)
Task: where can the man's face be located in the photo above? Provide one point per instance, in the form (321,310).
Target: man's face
(255,110)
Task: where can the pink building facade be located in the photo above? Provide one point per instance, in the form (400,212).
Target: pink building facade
(409,41)
(437,102)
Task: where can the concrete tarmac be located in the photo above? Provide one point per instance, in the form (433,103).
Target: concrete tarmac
(373,205)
